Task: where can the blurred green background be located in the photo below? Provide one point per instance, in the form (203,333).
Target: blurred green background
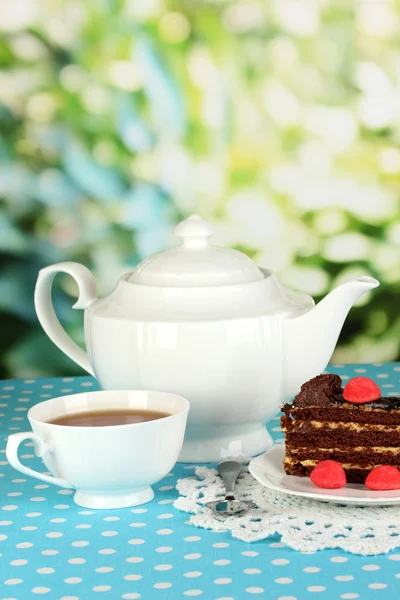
(278,120)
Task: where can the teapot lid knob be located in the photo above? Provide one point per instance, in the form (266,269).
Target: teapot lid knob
(194,231)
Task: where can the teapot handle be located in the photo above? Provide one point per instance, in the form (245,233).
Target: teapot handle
(47,316)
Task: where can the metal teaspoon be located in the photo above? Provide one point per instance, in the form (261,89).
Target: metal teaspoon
(229,471)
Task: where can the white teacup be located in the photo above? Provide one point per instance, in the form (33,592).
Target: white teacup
(111,466)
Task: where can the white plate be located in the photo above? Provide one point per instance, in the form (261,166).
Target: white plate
(268,470)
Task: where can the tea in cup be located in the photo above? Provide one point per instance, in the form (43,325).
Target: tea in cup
(110,446)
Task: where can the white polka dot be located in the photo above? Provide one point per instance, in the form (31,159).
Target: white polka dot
(136,541)
(163,585)
(360,370)
(73,580)
(249,553)
(394,557)
(38,499)
(377,586)
(42,486)
(194,538)
(193,556)
(339,559)
(193,593)
(165,531)
(4,537)
(135,559)
(65,492)
(283,580)
(24,545)
(18,480)
(61,506)
(50,552)
(10,507)
(29,528)
(54,534)
(45,571)
(87,383)
(18,563)
(280,561)
(4,523)
(349,596)
(107,551)
(104,569)
(287,598)
(165,516)
(344,577)
(13,581)
(109,533)
(69,598)
(131,596)
(139,511)
(382,375)
(137,524)
(90,512)
(83,526)
(164,568)
(133,577)
(76,561)
(222,562)
(166,488)
(41,590)
(166,501)
(101,588)
(13,494)
(59,520)
(80,544)
(252,571)
(111,518)
(276,545)
(164,549)
(371,567)
(254,590)
(316,588)
(222,580)
(68,379)
(193,574)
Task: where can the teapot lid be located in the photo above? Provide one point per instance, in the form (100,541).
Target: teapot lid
(196,263)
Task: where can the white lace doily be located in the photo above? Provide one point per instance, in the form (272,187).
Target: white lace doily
(305,525)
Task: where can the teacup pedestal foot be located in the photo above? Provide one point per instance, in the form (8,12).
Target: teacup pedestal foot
(213,443)
(122,499)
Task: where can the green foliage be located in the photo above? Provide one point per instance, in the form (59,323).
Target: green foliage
(277,120)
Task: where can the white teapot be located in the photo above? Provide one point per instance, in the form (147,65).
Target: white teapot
(206,323)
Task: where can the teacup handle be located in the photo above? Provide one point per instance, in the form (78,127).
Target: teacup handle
(41,448)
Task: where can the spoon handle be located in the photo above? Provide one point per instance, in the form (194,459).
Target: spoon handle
(229,471)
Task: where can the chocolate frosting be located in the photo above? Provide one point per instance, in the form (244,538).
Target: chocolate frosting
(326,390)
(319,391)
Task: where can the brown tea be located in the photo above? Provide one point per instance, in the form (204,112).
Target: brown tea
(104,418)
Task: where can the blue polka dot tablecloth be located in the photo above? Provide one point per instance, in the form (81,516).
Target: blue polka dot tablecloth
(52,548)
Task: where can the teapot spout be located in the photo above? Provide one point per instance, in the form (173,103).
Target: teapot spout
(310,338)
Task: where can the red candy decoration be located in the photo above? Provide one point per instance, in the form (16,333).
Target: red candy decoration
(382,478)
(328,474)
(360,390)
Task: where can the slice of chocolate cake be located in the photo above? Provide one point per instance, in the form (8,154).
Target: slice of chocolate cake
(321,425)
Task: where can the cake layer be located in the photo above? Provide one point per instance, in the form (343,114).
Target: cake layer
(341,436)
(345,413)
(362,455)
(353,475)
